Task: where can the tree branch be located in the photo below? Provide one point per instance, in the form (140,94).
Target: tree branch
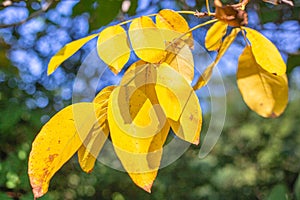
(33,15)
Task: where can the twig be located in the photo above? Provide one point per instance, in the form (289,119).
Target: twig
(33,15)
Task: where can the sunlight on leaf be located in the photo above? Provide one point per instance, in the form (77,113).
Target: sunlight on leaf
(113,39)
(214,36)
(173,25)
(139,147)
(67,51)
(127,104)
(146,40)
(142,75)
(263,92)
(171,20)
(179,102)
(265,52)
(189,125)
(95,140)
(57,142)
(172,91)
(180,58)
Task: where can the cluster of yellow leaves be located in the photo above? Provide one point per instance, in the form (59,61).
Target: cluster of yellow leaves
(154,96)
(261,76)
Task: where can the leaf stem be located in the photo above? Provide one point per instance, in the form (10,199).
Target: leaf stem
(191,30)
(188,12)
(245,37)
(207,7)
(199,26)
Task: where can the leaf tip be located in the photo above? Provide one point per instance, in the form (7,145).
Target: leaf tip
(148,187)
(196,141)
(37,192)
(273,115)
(50,70)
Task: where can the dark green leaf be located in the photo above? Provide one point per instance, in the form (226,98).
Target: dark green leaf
(101,12)
(292,62)
(279,192)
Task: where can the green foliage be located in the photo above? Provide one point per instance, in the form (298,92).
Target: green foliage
(102,12)
(292,62)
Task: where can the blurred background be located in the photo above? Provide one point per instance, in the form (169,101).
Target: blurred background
(255,158)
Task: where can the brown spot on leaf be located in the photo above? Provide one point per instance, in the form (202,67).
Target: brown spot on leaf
(52,157)
(191,117)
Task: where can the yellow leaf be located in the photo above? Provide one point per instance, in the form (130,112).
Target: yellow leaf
(179,103)
(226,43)
(147,40)
(142,75)
(206,75)
(173,25)
(169,19)
(103,96)
(95,140)
(92,146)
(56,143)
(265,53)
(214,36)
(263,92)
(181,59)
(188,127)
(138,131)
(172,91)
(128,101)
(113,47)
(67,51)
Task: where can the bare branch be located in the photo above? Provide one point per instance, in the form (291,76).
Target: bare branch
(33,15)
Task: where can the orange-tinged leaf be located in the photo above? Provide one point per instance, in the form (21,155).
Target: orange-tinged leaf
(139,147)
(206,75)
(263,92)
(94,142)
(67,51)
(180,58)
(214,36)
(147,40)
(113,48)
(56,143)
(265,52)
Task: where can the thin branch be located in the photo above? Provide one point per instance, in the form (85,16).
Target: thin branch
(33,15)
